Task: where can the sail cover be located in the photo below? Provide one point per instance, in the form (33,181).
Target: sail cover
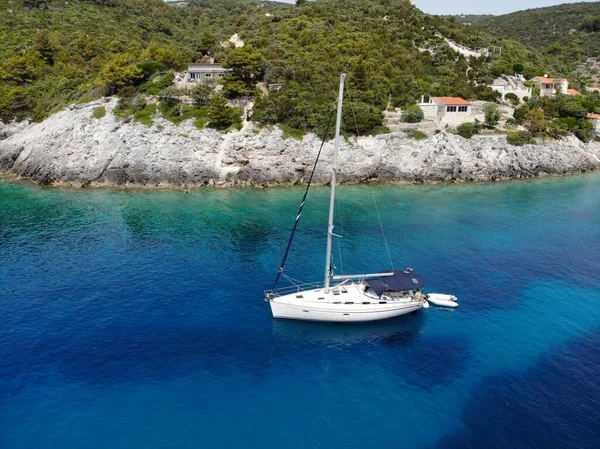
(399,281)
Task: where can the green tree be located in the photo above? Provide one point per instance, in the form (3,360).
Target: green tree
(518,67)
(22,69)
(170,97)
(207,43)
(119,73)
(247,66)
(570,107)
(534,121)
(201,94)
(46,44)
(220,115)
(492,115)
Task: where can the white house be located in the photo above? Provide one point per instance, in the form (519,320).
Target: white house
(511,84)
(448,110)
(595,119)
(549,87)
(201,72)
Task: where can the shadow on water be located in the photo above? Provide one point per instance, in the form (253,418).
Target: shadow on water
(132,355)
(400,331)
(554,404)
(120,355)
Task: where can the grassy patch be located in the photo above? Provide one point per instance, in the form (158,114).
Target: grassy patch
(415,134)
(99,112)
(145,116)
(201,122)
(182,112)
(293,133)
(380,130)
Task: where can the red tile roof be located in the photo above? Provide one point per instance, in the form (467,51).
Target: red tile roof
(573,92)
(593,116)
(550,80)
(452,100)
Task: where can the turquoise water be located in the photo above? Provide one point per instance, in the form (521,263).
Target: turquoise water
(135,319)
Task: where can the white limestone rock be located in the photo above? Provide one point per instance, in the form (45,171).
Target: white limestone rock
(73,148)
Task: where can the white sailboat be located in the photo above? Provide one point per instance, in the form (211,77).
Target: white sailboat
(346,298)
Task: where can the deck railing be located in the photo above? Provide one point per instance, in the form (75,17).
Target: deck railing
(282,291)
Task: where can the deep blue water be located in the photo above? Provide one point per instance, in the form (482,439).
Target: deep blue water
(134,319)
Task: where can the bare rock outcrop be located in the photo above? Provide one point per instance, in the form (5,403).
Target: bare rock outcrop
(73,148)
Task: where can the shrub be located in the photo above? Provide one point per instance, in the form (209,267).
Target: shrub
(511,123)
(412,114)
(467,129)
(512,98)
(99,112)
(123,108)
(154,88)
(572,108)
(169,97)
(487,94)
(520,113)
(138,103)
(520,138)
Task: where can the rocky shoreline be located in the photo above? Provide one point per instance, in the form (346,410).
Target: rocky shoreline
(73,148)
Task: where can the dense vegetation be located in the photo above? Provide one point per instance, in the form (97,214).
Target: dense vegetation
(56,52)
(570,31)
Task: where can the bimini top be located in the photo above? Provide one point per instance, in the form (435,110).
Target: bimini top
(399,281)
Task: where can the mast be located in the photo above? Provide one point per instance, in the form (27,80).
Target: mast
(336,144)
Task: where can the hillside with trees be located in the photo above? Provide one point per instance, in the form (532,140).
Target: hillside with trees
(58,52)
(570,31)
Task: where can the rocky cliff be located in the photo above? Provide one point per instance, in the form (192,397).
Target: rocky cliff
(73,148)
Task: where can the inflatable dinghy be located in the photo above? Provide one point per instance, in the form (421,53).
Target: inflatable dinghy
(442,300)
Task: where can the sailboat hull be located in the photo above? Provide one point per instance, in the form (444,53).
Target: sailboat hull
(346,305)
(289,312)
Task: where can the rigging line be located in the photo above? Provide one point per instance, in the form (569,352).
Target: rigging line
(381,226)
(340,255)
(312,173)
(293,281)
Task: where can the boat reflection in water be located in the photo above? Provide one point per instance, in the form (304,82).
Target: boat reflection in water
(400,331)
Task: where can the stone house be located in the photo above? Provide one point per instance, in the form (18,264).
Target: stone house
(446,110)
(201,72)
(511,84)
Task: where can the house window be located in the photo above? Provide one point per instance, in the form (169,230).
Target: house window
(221,75)
(462,109)
(450,108)
(208,75)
